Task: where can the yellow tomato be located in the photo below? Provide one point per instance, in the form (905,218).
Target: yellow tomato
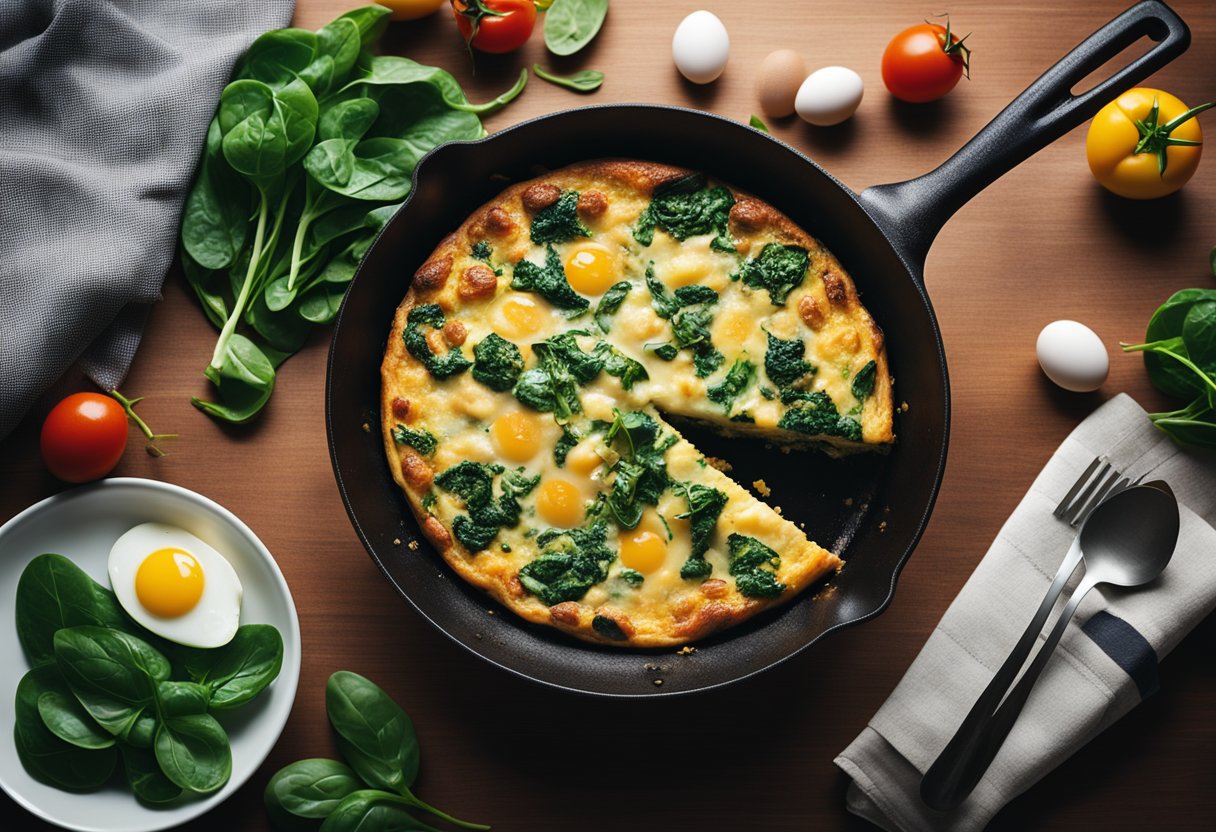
(1144,144)
(412,9)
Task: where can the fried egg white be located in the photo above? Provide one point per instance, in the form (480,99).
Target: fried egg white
(175,585)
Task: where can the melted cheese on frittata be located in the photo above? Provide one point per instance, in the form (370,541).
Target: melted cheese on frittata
(477,424)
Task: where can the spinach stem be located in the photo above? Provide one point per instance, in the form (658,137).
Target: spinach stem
(296,248)
(410,799)
(1187,362)
(255,257)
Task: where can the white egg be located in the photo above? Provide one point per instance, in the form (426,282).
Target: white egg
(700,47)
(175,585)
(829,96)
(1072,356)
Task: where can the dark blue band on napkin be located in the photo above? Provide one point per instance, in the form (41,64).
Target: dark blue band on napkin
(1123,643)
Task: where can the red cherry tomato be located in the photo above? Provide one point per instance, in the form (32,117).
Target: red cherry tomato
(924,63)
(495,26)
(83,437)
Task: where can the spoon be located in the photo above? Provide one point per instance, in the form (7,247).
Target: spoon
(1126,541)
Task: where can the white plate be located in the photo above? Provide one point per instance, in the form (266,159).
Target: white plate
(82,524)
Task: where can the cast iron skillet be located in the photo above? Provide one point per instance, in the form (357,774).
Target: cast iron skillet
(871,510)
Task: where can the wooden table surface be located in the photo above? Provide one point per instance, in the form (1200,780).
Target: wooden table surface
(1042,243)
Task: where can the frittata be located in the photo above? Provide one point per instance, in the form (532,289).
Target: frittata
(533,361)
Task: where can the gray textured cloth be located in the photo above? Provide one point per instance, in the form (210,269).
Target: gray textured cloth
(104,106)
(1083,689)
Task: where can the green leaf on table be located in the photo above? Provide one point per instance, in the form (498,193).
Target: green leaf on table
(374,734)
(244,382)
(572,24)
(587,80)
(306,792)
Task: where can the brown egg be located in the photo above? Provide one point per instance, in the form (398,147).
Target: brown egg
(781,73)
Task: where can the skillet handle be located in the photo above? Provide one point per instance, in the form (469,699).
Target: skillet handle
(912,212)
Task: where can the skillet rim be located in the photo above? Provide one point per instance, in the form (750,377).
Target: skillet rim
(912,272)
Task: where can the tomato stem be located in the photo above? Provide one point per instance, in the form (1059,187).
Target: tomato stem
(475,10)
(128,405)
(957,47)
(1156,138)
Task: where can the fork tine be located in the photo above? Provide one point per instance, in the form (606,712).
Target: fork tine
(1077,486)
(1097,498)
(1070,513)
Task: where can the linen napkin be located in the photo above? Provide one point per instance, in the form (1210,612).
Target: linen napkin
(104,105)
(1105,664)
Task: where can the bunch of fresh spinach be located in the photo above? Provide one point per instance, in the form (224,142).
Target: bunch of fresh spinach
(309,154)
(372,790)
(100,691)
(1180,355)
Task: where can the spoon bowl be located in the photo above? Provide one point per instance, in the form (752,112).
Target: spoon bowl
(1129,539)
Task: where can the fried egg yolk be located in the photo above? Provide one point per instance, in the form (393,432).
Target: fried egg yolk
(169,582)
(560,503)
(583,458)
(591,268)
(522,315)
(517,435)
(643,548)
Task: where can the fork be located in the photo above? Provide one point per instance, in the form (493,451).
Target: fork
(1098,482)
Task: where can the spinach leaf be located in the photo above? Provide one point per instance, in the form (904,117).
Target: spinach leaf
(631,576)
(688,208)
(549,282)
(430,315)
(578,560)
(473,482)
(374,734)
(64,717)
(306,792)
(738,378)
(497,363)
(705,505)
(609,303)
(778,269)
(372,20)
(863,381)
(376,811)
(181,698)
(572,24)
(690,318)
(142,733)
(815,414)
(279,56)
(784,361)
(193,752)
(559,222)
(552,387)
(244,380)
(754,566)
(758,123)
(587,80)
(241,669)
(145,778)
(608,628)
(641,471)
(215,218)
(45,756)
(54,593)
(563,446)
(113,674)
(616,363)
(423,441)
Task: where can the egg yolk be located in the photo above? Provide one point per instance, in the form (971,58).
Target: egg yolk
(583,459)
(591,269)
(517,435)
(560,504)
(522,315)
(169,582)
(733,328)
(643,550)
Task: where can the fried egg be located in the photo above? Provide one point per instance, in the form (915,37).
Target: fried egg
(175,585)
